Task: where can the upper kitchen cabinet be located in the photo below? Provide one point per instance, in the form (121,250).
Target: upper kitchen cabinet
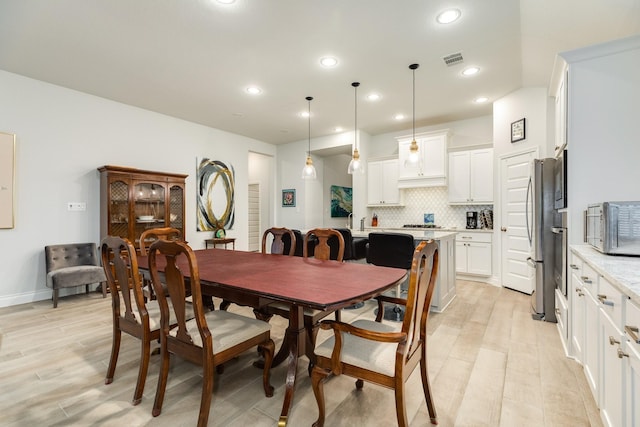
(133,200)
(382,184)
(431,168)
(471,177)
(559,90)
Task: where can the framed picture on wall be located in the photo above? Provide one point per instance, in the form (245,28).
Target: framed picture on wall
(517,130)
(288,197)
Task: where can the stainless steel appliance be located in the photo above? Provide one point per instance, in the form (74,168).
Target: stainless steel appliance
(560,180)
(539,218)
(613,228)
(560,259)
(472,220)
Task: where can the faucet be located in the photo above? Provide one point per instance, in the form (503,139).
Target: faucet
(350,221)
(362,223)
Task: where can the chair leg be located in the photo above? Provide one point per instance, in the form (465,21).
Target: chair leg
(267,349)
(86,289)
(318,377)
(55,298)
(103,285)
(162,381)
(401,411)
(426,386)
(207,390)
(142,372)
(115,350)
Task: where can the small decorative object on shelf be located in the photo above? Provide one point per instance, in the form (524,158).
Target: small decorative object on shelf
(518,130)
(374,220)
(220,233)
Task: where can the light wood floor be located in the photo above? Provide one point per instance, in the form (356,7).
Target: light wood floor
(489,363)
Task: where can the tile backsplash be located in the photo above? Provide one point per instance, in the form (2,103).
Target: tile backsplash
(419,201)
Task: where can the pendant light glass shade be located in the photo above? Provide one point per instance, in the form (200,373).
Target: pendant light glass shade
(309,171)
(355,165)
(414,155)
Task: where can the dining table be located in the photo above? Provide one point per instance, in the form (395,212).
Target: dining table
(256,279)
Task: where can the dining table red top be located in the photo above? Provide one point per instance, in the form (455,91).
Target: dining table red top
(306,281)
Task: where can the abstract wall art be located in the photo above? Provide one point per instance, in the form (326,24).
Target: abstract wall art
(341,201)
(216,195)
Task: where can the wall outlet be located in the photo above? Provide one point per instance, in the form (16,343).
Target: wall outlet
(76,206)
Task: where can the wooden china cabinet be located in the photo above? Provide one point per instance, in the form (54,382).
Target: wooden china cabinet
(134,200)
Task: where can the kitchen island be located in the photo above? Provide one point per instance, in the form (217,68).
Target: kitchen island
(445,289)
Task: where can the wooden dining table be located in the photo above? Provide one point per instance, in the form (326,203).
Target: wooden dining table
(256,279)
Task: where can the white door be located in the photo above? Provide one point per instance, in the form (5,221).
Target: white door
(254,217)
(514,178)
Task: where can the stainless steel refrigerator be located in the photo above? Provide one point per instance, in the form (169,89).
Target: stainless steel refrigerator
(540,219)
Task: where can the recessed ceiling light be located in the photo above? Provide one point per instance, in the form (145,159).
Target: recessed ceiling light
(373,97)
(338,129)
(481,99)
(304,114)
(226,1)
(448,16)
(253,90)
(470,71)
(328,61)
(399,117)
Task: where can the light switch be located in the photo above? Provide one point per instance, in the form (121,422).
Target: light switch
(76,206)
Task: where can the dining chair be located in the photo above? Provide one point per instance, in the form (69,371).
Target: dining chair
(211,338)
(391,250)
(131,313)
(277,244)
(152,234)
(322,251)
(376,352)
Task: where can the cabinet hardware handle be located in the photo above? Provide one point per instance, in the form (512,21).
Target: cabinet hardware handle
(573,266)
(621,353)
(558,311)
(603,299)
(633,333)
(613,341)
(586,279)
(466,237)
(578,290)
(503,229)
(580,294)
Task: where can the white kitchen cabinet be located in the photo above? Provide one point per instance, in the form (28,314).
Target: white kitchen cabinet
(382,183)
(591,361)
(470,177)
(612,374)
(632,350)
(562,316)
(445,289)
(561,84)
(431,168)
(577,312)
(473,253)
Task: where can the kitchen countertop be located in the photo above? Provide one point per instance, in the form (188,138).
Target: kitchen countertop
(622,271)
(417,233)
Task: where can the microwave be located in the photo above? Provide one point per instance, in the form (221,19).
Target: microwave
(613,228)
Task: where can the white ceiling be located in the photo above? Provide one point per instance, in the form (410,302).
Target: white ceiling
(192,59)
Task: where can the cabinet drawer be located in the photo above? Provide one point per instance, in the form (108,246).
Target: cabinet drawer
(473,237)
(632,325)
(589,279)
(575,264)
(610,300)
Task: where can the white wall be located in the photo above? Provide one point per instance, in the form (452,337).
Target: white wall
(262,171)
(63,136)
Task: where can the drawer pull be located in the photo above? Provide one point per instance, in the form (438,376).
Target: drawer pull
(585,279)
(466,237)
(621,353)
(578,290)
(580,294)
(603,299)
(613,341)
(633,333)
(573,266)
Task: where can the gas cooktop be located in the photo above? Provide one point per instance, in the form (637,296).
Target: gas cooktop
(420,226)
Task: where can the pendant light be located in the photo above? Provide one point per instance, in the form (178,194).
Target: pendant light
(414,156)
(309,171)
(355,165)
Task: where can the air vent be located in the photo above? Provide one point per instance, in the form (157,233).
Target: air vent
(453,59)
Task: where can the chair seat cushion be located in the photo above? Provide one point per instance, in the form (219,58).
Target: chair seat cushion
(75,276)
(227,329)
(372,355)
